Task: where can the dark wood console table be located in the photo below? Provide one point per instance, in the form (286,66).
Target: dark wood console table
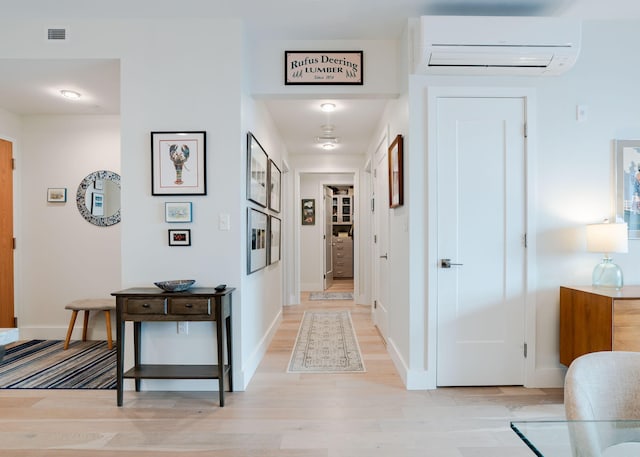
(143,304)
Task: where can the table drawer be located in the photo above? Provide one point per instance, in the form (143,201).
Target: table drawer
(190,306)
(145,306)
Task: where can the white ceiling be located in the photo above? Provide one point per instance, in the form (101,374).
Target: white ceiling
(31,86)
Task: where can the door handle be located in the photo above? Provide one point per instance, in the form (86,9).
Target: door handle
(384,256)
(446,263)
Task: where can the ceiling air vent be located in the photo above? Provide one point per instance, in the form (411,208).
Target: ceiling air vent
(58,34)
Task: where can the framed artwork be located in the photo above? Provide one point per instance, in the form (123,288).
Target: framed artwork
(257,164)
(628,184)
(308,211)
(323,68)
(256,240)
(97,204)
(396,179)
(179,237)
(275,252)
(275,177)
(177,212)
(57,194)
(178,163)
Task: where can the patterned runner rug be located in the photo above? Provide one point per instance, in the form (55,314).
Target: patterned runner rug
(43,364)
(326,343)
(331,296)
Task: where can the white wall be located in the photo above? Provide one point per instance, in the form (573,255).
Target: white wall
(62,256)
(570,179)
(262,290)
(190,80)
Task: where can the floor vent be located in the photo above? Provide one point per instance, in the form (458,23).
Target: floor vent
(56,34)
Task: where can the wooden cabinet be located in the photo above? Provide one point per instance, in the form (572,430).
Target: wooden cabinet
(148,305)
(595,319)
(342,257)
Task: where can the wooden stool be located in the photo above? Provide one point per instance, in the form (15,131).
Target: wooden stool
(87,305)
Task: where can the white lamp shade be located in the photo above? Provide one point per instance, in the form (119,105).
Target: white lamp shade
(607,238)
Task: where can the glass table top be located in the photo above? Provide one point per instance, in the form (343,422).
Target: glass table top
(614,438)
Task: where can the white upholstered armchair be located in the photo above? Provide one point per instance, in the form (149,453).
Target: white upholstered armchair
(603,386)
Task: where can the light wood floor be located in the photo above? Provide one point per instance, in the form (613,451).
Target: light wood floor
(280,414)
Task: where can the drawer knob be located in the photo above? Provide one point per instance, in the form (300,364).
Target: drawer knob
(188,305)
(146,305)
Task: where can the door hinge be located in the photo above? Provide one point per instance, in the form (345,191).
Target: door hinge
(13,164)
(373,205)
(14,244)
(375,238)
(526,130)
(375,173)
(15,322)
(524,240)
(525,350)
(375,304)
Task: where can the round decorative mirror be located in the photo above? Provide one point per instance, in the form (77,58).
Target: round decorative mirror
(98,198)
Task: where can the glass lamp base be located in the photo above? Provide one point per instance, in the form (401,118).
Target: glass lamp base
(607,274)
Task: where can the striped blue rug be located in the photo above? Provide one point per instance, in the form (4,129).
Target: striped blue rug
(44,364)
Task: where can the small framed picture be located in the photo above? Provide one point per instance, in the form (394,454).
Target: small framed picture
(57,194)
(396,179)
(274,240)
(180,237)
(177,212)
(308,211)
(275,177)
(257,169)
(257,226)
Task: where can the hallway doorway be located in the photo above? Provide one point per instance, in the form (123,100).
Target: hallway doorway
(330,245)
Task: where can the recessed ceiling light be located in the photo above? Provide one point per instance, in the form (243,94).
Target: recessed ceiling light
(328,107)
(70,94)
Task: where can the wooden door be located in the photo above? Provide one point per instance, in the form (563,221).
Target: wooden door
(481,252)
(6,235)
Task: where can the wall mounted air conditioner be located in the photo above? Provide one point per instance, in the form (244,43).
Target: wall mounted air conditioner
(496,45)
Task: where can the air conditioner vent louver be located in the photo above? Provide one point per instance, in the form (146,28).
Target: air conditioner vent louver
(57,34)
(466,45)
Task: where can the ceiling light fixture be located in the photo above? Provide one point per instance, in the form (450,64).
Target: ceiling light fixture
(328,146)
(328,107)
(70,94)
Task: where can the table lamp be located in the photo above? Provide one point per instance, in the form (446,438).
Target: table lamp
(607,238)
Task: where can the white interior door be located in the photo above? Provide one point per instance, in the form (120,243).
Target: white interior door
(328,237)
(381,238)
(481,230)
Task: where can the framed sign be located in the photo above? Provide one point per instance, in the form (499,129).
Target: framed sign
(178,163)
(323,67)
(257,168)
(396,180)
